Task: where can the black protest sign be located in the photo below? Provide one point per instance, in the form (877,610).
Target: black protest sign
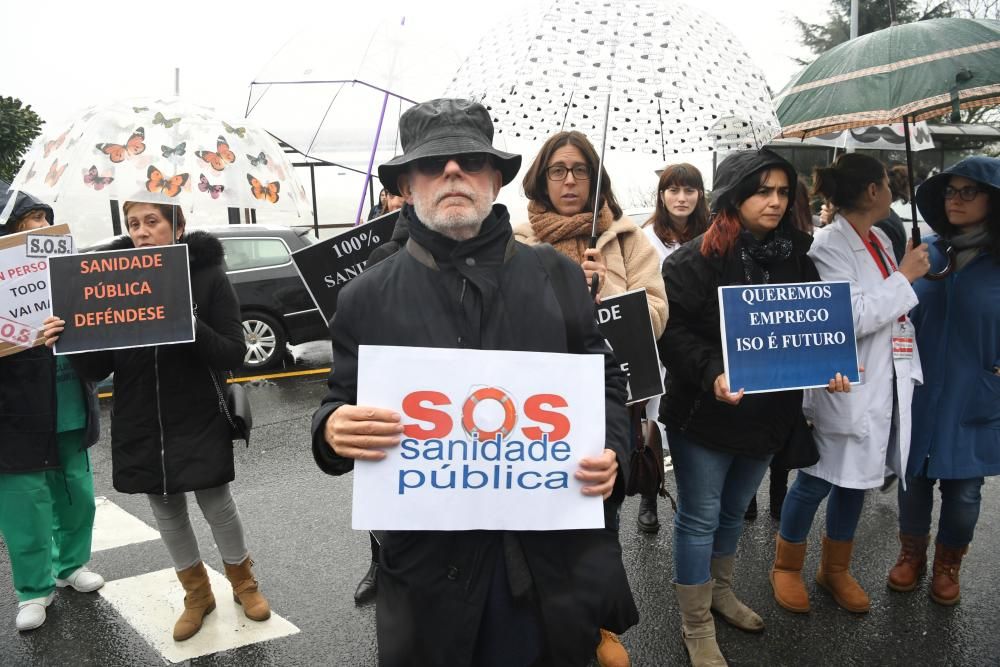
(624,321)
(327,266)
(122,298)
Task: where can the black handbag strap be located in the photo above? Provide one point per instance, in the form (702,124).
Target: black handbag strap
(223,404)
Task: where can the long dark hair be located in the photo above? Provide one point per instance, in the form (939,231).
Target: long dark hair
(682,175)
(536,182)
(845,181)
(720,239)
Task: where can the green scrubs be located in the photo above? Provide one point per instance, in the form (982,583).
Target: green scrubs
(47,517)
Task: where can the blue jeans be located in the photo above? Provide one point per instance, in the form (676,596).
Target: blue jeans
(713,489)
(842,510)
(960,500)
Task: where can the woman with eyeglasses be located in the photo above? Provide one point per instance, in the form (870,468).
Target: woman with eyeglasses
(956,412)
(861,435)
(560,188)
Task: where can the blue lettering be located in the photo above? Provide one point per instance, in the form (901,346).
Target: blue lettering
(560,451)
(515,451)
(434,450)
(557,479)
(402,480)
(410,451)
(467,476)
(521,483)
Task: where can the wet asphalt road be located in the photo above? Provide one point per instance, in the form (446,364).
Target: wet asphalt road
(309,561)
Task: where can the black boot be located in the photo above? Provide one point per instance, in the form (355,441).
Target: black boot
(648,521)
(778,487)
(751,512)
(368,586)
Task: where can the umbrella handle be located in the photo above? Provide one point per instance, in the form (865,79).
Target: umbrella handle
(946,271)
(595,280)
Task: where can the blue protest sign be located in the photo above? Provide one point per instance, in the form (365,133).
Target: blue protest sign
(790,336)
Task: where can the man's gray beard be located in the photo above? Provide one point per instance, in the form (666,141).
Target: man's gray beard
(455,226)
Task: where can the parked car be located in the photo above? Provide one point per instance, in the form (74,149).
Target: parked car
(275,305)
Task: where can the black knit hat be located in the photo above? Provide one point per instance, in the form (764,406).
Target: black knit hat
(442,128)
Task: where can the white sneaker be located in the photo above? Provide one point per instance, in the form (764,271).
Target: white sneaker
(31,613)
(82,580)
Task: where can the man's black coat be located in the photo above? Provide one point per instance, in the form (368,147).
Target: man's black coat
(486,293)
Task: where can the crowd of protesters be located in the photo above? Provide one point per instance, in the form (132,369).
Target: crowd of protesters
(926,409)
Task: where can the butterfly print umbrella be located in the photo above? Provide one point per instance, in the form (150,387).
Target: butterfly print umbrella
(160,151)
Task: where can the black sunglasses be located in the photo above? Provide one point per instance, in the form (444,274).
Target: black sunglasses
(470,163)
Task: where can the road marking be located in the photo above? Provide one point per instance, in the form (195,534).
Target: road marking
(151,603)
(114,527)
(271,376)
(251,378)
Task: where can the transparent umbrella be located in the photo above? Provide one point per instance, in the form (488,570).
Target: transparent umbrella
(335,93)
(679,81)
(160,151)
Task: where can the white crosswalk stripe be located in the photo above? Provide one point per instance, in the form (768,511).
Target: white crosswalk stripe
(151,602)
(114,527)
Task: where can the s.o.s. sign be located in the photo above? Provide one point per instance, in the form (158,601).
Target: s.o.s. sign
(491,442)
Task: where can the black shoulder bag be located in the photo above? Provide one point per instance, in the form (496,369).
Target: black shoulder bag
(234,404)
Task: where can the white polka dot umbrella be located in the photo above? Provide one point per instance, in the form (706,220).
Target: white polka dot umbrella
(679,81)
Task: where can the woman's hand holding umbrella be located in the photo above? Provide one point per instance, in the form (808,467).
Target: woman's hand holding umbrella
(916,262)
(593,265)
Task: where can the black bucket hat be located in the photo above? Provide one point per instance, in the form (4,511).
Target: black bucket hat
(441,128)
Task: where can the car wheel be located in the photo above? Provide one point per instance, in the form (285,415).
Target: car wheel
(265,339)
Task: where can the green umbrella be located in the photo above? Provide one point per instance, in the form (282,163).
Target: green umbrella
(906,72)
(903,73)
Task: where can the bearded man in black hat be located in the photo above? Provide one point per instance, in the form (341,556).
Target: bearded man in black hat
(475,597)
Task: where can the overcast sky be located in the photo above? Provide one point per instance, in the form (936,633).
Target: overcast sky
(61,57)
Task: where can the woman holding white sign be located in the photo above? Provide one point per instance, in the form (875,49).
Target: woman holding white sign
(168,435)
(49,417)
(956,422)
(860,435)
(562,198)
(721,442)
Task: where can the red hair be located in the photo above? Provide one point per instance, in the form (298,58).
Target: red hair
(721,235)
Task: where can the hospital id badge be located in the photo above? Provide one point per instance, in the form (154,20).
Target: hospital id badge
(902,340)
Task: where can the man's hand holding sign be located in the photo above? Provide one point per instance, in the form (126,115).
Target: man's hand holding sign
(517,457)
(364,433)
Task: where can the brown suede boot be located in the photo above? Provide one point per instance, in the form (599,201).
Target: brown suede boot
(911,564)
(786,576)
(245,591)
(947,562)
(698,626)
(834,576)
(724,600)
(610,652)
(198,601)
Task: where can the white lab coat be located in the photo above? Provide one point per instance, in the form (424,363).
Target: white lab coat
(852,431)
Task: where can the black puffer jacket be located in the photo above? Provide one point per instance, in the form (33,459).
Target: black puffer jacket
(167,432)
(487,293)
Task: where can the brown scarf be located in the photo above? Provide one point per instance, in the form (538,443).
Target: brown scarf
(570,235)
